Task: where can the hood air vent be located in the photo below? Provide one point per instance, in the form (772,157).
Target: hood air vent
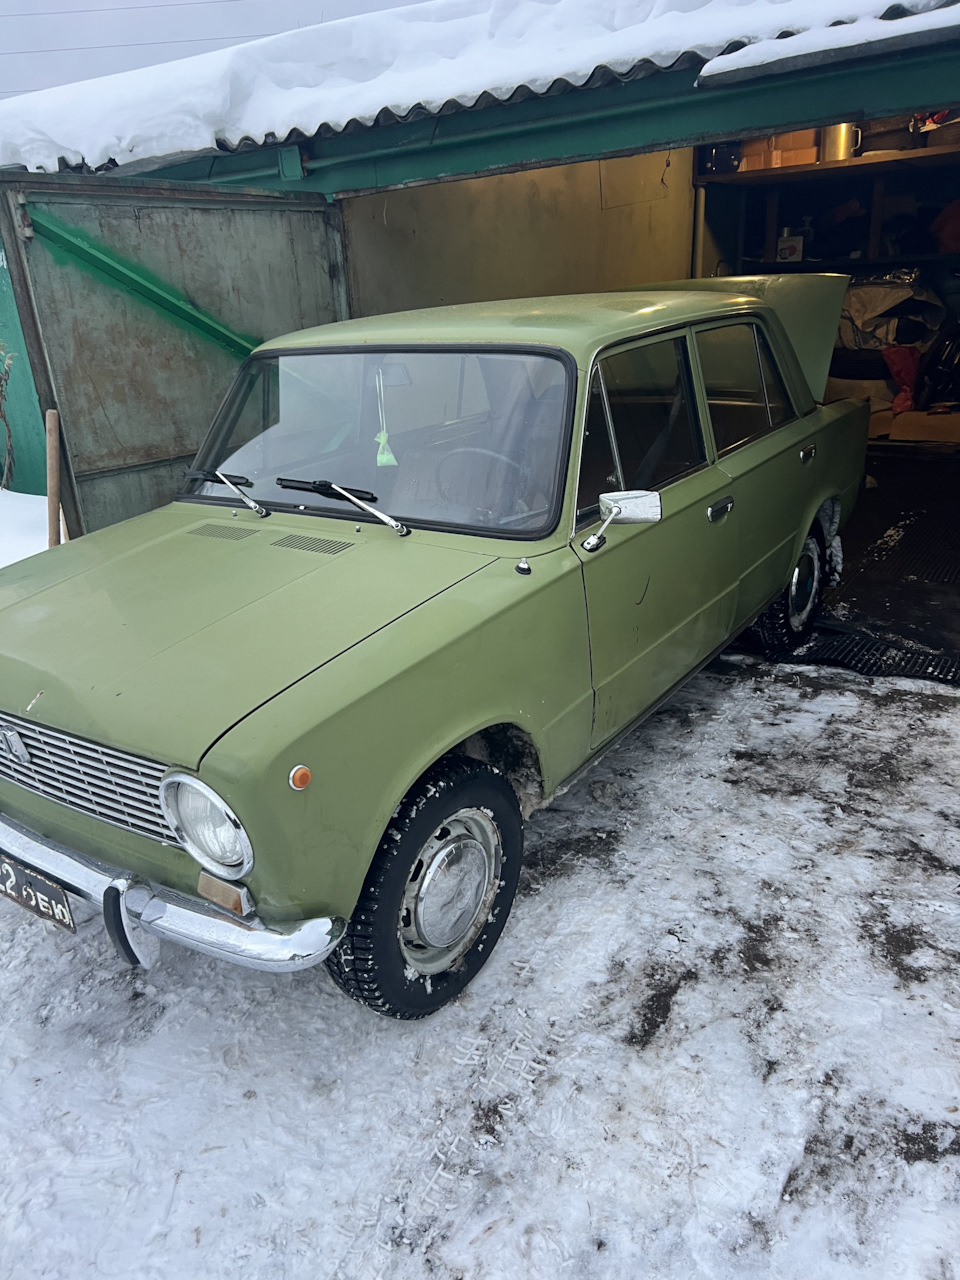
(232,532)
(325,546)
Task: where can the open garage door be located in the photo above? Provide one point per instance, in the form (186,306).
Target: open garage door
(136,303)
(877,201)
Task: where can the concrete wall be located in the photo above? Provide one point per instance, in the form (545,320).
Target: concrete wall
(576,228)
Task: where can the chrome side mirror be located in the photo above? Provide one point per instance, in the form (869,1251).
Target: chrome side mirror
(635,506)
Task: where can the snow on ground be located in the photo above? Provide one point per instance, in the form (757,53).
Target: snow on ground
(430,53)
(719,1038)
(23,526)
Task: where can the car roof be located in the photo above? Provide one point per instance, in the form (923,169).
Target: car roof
(578,323)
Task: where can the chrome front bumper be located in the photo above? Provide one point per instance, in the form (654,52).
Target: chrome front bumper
(137,913)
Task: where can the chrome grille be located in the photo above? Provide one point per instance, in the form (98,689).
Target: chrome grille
(106,784)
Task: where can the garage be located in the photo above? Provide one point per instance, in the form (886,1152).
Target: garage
(788,149)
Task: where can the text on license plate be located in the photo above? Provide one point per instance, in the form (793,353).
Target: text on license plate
(35,892)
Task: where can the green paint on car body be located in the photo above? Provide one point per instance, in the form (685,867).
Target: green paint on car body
(239,652)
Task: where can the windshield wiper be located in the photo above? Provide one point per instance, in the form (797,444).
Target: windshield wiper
(327,489)
(218,477)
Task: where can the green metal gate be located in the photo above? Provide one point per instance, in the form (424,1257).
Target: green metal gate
(23,458)
(129,307)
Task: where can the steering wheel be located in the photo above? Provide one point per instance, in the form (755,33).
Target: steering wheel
(444,482)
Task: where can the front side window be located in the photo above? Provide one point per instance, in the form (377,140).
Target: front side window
(598,469)
(744,389)
(470,439)
(655,426)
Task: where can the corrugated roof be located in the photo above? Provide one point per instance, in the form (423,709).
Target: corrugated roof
(435,57)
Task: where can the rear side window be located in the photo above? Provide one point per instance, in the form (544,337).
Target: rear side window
(778,401)
(655,426)
(744,389)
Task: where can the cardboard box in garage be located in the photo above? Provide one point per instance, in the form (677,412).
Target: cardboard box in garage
(779,159)
(799,140)
(780,150)
(795,156)
(943,427)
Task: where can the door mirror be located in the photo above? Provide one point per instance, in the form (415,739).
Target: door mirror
(635,506)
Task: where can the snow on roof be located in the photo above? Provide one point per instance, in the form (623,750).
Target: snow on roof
(430,56)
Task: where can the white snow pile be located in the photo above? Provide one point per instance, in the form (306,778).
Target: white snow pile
(23,526)
(718,1039)
(425,55)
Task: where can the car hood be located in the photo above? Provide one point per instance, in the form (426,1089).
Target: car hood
(158,635)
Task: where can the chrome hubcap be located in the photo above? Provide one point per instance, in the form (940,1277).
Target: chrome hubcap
(451,889)
(803,585)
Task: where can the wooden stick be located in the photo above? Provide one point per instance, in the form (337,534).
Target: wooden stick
(53,477)
(699,207)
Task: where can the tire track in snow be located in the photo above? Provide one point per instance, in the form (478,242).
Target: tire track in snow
(504,1069)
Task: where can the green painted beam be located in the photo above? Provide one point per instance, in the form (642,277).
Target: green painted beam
(134,279)
(662,110)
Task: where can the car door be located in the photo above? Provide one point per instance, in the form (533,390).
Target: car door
(660,597)
(769,453)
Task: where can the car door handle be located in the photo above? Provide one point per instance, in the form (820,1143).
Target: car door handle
(719,509)
(809,453)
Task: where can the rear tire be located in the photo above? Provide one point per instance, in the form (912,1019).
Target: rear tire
(788,622)
(437,895)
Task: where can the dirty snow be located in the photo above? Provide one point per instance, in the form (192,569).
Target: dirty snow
(23,526)
(430,53)
(719,1038)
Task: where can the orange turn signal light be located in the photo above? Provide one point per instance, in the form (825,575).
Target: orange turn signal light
(300,777)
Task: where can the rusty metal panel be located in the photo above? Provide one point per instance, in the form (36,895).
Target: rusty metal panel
(109,496)
(136,386)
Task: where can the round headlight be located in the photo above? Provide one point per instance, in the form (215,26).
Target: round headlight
(207,828)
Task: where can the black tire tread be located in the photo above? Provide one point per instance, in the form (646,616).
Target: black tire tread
(772,630)
(353,965)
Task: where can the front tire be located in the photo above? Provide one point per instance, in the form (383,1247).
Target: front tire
(789,621)
(437,895)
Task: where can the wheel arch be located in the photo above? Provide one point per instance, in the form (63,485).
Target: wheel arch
(387,959)
(828,517)
(823,519)
(513,751)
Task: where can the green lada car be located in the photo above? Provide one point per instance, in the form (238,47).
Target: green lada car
(425,568)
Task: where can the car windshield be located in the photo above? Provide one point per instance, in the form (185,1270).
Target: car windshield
(464,438)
